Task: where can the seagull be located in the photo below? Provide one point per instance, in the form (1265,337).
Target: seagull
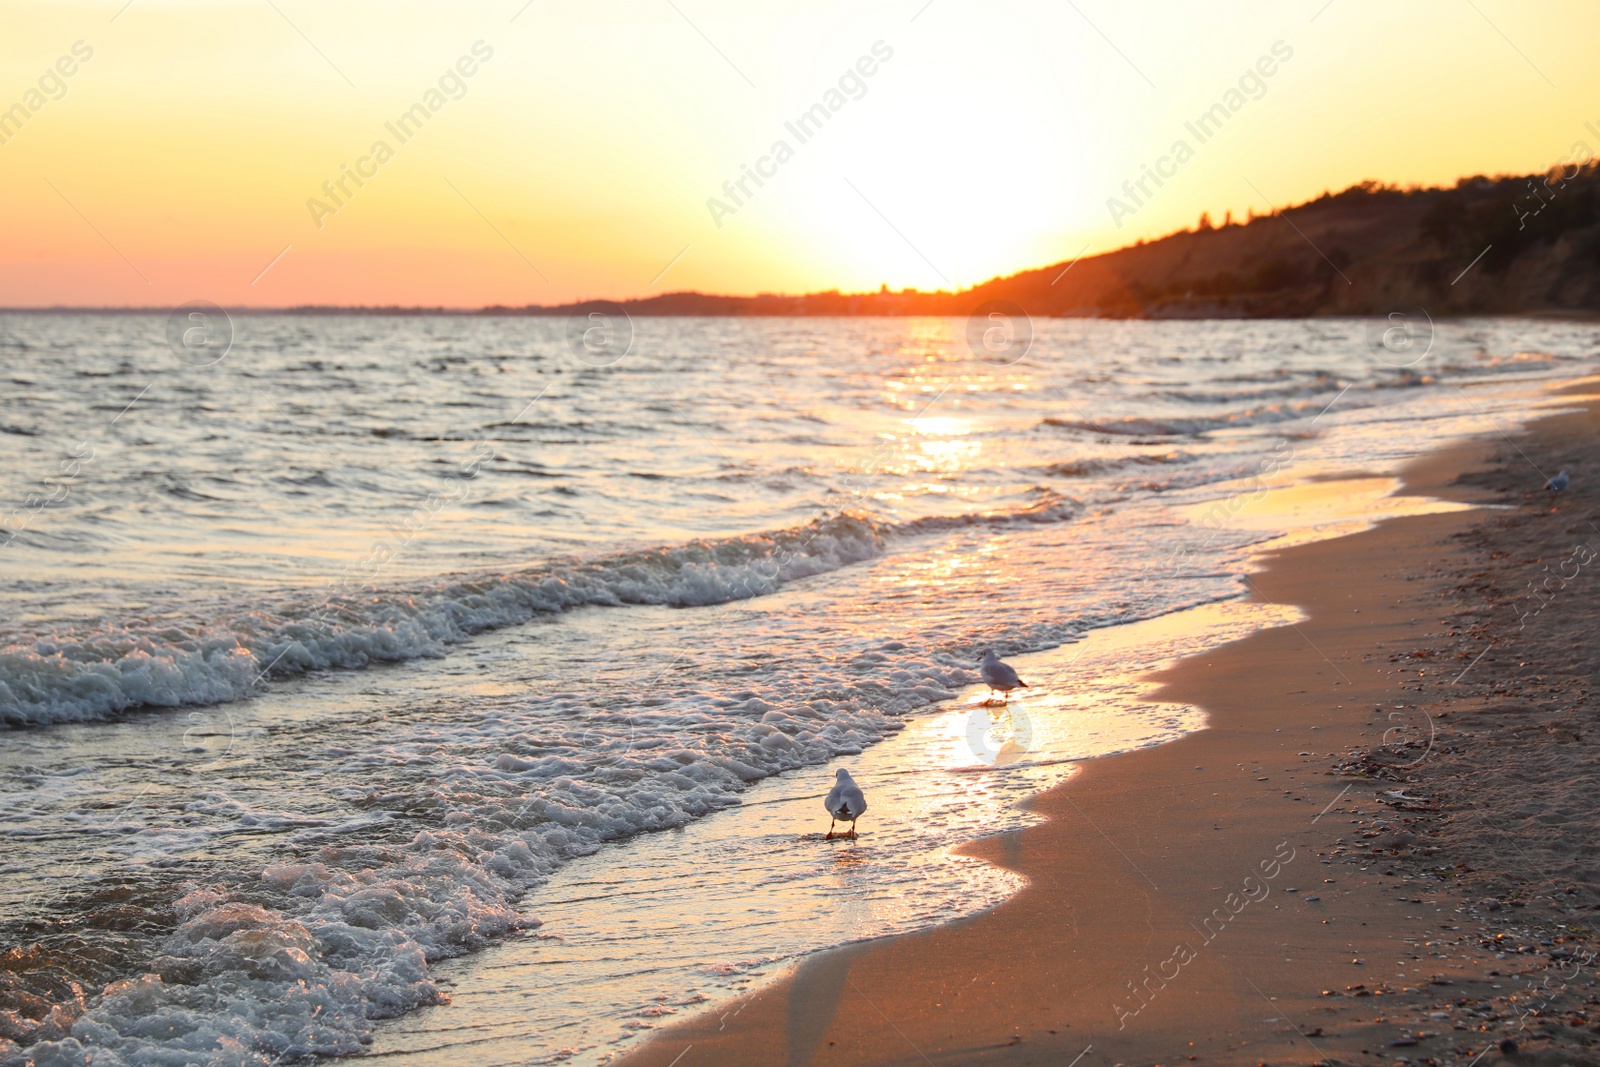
(1559,482)
(997,675)
(845,801)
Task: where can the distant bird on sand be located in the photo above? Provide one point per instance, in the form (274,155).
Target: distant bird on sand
(997,675)
(845,801)
(1559,482)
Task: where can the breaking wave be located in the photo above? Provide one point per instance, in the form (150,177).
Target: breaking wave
(82,675)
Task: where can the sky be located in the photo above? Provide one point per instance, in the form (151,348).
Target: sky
(573,149)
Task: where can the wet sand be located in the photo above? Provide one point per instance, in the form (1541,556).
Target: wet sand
(1273,888)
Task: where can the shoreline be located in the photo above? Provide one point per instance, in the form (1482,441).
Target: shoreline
(936,785)
(1154,970)
(1195,900)
(1552,314)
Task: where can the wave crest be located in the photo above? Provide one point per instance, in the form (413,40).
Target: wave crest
(85,675)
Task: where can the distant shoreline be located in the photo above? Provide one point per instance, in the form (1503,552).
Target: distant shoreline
(1476,249)
(1542,314)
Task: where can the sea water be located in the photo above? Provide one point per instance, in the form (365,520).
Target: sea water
(390,658)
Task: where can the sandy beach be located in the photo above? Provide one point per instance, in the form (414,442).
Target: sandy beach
(1372,854)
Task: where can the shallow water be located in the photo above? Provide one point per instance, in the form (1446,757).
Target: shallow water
(682,921)
(443,619)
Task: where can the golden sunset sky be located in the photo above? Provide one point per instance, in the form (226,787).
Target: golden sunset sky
(179,160)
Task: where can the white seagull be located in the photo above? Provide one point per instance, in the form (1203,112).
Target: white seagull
(998,676)
(845,801)
(1559,482)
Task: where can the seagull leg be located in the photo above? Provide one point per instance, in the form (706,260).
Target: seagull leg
(831,823)
(852,829)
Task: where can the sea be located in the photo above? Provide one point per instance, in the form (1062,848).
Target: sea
(463,688)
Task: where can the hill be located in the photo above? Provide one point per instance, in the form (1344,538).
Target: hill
(1504,245)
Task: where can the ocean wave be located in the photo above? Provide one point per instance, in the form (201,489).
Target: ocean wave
(1485,363)
(1089,466)
(1188,426)
(83,674)
(1321,383)
(300,957)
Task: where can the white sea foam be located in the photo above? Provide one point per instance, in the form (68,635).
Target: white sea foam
(79,675)
(324,947)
